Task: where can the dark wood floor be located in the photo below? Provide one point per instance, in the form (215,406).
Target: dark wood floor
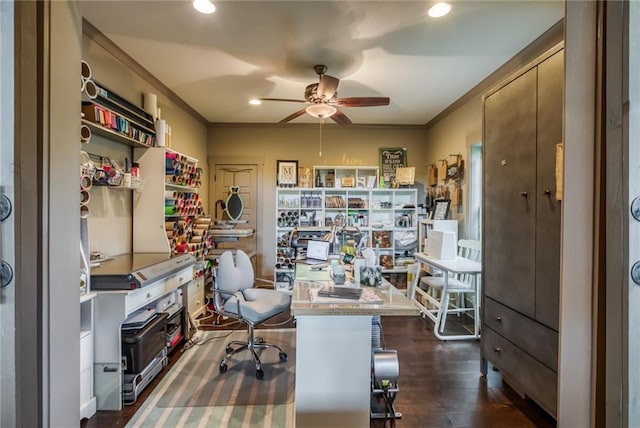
(440,383)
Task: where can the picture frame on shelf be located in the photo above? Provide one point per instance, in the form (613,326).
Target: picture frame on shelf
(441,209)
(287,173)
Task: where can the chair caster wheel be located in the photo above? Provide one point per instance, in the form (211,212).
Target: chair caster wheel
(259,374)
(283,356)
(260,340)
(223,368)
(228,349)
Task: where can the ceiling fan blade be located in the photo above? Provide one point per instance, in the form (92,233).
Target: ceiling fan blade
(282,99)
(340,118)
(361,101)
(328,86)
(293,116)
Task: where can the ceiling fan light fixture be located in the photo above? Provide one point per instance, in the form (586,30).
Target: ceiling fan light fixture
(321,110)
(439,10)
(204,6)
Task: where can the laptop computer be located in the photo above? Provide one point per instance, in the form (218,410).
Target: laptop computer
(317,252)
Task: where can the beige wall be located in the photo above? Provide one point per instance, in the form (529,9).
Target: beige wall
(111,220)
(452,135)
(353,145)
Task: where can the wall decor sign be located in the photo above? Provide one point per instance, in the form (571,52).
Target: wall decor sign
(287,173)
(390,159)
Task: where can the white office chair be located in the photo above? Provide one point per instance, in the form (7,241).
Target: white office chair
(235,297)
(459,285)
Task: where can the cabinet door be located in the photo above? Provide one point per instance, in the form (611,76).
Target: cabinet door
(509,193)
(550,99)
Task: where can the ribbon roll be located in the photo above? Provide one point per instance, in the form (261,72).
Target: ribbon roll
(169,234)
(85,196)
(84,211)
(85,134)
(90,91)
(196,239)
(83,83)
(85,70)
(150,104)
(85,182)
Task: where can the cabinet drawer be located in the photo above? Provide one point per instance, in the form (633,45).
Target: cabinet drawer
(86,351)
(532,337)
(143,296)
(86,385)
(538,381)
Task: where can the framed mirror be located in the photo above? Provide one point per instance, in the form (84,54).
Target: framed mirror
(234,204)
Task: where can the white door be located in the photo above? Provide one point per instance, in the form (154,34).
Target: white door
(7,222)
(244,177)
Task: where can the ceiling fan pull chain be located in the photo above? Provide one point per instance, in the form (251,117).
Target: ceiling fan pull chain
(321,120)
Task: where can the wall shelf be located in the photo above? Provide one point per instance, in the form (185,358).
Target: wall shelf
(113,135)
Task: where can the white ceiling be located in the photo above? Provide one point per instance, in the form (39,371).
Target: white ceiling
(248,49)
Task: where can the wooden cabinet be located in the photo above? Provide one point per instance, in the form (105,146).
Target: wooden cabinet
(521,227)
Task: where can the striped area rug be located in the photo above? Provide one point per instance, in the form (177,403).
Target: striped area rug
(195,394)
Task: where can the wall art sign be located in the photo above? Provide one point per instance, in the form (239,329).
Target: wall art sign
(390,159)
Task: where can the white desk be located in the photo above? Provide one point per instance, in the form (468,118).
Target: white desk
(333,353)
(459,265)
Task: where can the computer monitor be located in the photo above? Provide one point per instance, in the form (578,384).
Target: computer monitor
(318,250)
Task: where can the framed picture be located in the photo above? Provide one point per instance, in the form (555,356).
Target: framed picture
(287,173)
(441,209)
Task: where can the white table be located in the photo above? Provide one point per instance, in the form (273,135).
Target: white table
(459,265)
(333,353)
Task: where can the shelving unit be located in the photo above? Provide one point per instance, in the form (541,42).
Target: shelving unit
(365,177)
(387,217)
(168,215)
(115,118)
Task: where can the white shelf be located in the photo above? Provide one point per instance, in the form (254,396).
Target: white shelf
(401,204)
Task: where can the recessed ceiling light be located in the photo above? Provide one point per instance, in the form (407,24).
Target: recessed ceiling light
(204,6)
(255,102)
(439,10)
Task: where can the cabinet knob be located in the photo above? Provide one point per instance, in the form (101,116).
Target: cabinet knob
(148,295)
(499,318)
(523,194)
(497,349)
(547,192)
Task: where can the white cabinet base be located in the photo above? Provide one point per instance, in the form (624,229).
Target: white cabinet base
(333,371)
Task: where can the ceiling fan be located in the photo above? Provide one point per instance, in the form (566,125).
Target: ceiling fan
(322,98)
